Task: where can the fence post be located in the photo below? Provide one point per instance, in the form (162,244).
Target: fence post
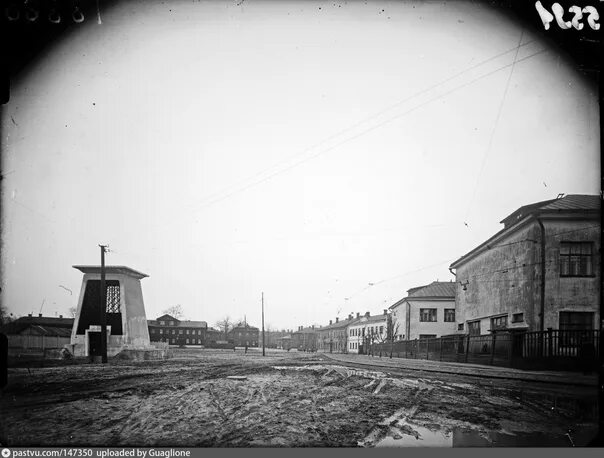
(406,342)
(416,348)
(427,349)
(440,349)
(549,342)
(467,346)
(493,339)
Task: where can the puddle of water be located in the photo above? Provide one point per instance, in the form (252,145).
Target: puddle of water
(424,438)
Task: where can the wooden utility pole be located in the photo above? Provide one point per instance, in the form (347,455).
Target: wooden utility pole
(263,354)
(103,308)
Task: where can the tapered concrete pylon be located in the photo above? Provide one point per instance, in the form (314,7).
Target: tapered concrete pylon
(125,312)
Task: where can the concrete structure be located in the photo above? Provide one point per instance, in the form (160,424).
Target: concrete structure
(333,338)
(366,330)
(168,329)
(125,312)
(427,311)
(542,270)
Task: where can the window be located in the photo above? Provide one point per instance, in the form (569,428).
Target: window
(460,327)
(112,298)
(152,332)
(381,329)
(449,315)
(576,321)
(474,328)
(187,341)
(517,317)
(163,323)
(173,331)
(499,322)
(427,315)
(576,259)
(171,323)
(161,331)
(180,331)
(187,331)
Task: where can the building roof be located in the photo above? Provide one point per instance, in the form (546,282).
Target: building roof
(566,206)
(306,330)
(434,289)
(340,324)
(362,320)
(178,323)
(44,325)
(124,270)
(247,327)
(572,202)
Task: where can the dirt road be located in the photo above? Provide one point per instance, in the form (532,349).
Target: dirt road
(283,399)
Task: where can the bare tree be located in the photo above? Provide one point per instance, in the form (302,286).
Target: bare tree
(224,325)
(175,311)
(5,317)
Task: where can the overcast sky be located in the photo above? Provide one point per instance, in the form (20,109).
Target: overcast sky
(304,150)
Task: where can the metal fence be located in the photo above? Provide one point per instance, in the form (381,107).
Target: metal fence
(548,349)
(32,342)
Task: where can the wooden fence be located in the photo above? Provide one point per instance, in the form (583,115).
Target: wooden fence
(32,342)
(553,349)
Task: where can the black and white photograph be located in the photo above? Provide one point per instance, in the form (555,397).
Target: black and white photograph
(300,223)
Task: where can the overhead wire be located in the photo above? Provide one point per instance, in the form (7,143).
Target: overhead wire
(206,203)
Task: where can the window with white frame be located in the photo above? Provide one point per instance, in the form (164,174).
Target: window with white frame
(427,315)
(576,259)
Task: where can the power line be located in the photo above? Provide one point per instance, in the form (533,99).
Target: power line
(371,117)
(495,124)
(212,201)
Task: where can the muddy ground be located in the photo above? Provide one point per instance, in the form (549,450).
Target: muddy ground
(283,399)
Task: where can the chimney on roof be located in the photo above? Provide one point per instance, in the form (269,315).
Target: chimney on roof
(337,319)
(313,326)
(358,315)
(350,316)
(29,314)
(60,316)
(385,311)
(329,321)
(367,314)
(300,328)
(39,315)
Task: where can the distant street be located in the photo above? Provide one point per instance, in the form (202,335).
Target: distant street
(289,399)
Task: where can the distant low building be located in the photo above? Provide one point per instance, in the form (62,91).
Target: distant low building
(305,339)
(285,342)
(242,336)
(37,333)
(168,329)
(39,326)
(366,330)
(333,338)
(426,312)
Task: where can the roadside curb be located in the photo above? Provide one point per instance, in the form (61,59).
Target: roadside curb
(556,378)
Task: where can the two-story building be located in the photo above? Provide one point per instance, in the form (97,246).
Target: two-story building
(367,330)
(426,312)
(168,329)
(244,336)
(333,338)
(304,339)
(542,270)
